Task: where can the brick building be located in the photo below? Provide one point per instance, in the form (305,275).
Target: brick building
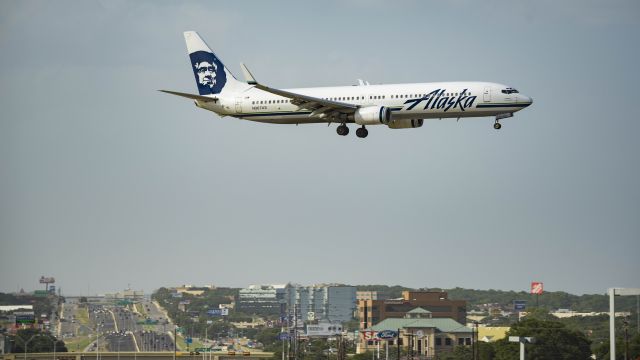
(371,312)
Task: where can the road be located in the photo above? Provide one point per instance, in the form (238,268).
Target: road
(121,328)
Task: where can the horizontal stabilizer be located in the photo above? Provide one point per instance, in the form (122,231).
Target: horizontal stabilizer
(191,96)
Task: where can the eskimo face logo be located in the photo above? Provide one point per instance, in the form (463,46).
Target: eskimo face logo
(206,73)
(209,72)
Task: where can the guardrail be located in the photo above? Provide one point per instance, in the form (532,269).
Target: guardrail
(165,355)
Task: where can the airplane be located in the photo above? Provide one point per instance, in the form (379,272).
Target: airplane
(398,106)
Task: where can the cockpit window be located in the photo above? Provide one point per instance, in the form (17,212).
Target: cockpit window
(509,91)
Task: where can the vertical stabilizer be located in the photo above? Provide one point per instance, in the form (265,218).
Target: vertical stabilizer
(212,77)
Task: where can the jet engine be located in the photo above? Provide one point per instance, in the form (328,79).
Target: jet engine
(372,115)
(405,123)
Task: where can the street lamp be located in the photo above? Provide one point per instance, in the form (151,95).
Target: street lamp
(522,340)
(54,341)
(97,338)
(26,344)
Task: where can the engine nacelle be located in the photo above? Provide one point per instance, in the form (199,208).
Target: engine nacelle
(372,115)
(405,123)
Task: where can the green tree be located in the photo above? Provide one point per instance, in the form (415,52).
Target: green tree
(602,350)
(553,340)
(486,351)
(458,353)
(35,341)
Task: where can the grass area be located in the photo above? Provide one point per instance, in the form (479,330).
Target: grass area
(182,344)
(82,316)
(140,308)
(78,344)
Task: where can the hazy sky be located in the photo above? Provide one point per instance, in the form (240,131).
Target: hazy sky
(105,182)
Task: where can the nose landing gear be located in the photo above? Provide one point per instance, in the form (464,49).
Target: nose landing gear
(499,117)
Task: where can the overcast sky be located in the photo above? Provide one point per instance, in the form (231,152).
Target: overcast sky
(106,183)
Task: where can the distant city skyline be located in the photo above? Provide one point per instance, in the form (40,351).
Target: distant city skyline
(107,182)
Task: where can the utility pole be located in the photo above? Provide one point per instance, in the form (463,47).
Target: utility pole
(398,344)
(476,353)
(626,338)
(473,344)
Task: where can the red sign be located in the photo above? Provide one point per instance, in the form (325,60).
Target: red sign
(536,288)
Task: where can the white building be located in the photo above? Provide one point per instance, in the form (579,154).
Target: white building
(327,302)
(334,303)
(262,299)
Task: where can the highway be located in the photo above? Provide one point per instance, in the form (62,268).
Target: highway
(122,328)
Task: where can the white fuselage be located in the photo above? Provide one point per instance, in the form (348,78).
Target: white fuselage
(407,101)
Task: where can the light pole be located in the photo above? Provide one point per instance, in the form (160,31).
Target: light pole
(175,340)
(53,340)
(522,340)
(26,344)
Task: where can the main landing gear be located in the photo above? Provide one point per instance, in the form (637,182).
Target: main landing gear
(342,130)
(497,125)
(361,132)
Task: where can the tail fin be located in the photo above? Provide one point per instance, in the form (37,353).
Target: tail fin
(212,77)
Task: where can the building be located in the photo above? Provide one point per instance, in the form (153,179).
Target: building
(366,295)
(333,303)
(371,312)
(492,333)
(328,302)
(190,289)
(128,294)
(419,331)
(262,299)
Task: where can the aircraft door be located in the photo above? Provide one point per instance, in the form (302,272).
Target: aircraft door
(486,96)
(238,105)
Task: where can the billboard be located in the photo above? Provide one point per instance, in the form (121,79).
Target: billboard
(24,317)
(47,280)
(218,312)
(323,329)
(519,305)
(536,288)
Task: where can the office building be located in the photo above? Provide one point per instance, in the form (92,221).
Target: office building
(371,312)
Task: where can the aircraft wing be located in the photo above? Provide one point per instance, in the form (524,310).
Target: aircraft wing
(319,107)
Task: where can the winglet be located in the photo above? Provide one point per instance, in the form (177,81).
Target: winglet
(247,75)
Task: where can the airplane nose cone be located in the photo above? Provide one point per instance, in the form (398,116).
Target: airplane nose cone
(525,100)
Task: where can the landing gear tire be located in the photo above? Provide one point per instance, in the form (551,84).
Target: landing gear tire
(362,132)
(497,126)
(342,130)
